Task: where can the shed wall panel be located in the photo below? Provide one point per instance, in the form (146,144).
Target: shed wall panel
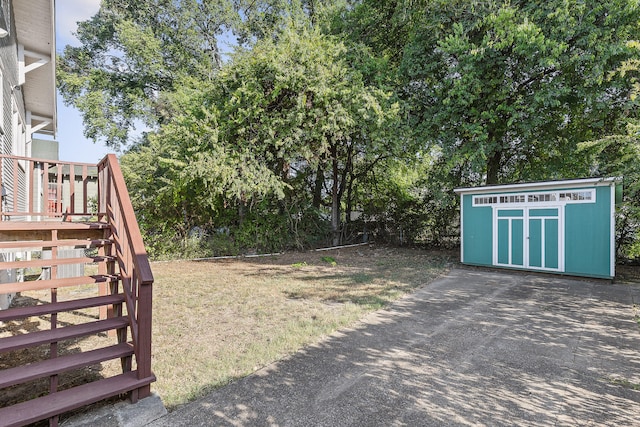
(587,239)
(478,233)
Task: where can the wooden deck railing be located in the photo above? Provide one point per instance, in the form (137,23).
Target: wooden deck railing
(133,263)
(49,207)
(40,189)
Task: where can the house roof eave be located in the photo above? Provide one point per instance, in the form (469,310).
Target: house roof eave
(35,34)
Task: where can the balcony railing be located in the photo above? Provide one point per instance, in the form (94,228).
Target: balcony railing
(40,189)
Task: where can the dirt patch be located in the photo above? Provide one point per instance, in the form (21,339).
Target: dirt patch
(628,273)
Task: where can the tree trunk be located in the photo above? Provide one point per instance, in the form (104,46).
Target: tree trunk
(335,199)
(493,168)
(347,185)
(241,212)
(319,184)
(349,206)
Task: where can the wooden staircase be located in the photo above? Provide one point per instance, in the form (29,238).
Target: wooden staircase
(56,313)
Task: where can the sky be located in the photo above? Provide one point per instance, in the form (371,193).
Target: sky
(74,146)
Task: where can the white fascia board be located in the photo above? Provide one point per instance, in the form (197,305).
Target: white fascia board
(540,186)
(612,235)
(461,230)
(52,57)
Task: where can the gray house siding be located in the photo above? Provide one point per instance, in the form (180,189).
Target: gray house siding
(8,141)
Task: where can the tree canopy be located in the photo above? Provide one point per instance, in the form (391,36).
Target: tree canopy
(507,90)
(335,120)
(278,116)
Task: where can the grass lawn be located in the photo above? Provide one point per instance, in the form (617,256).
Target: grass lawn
(216,321)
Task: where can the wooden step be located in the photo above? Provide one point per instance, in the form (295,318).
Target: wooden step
(59,334)
(34,263)
(13,287)
(25,244)
(51,225)
(42,309)
(15,231)
(67,400)
(22,374)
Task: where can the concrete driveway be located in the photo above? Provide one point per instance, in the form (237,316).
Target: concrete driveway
(472,348)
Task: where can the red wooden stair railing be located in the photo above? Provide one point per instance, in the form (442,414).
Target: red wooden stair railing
(57,215)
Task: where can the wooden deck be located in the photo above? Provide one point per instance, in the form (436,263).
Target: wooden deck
(114,277)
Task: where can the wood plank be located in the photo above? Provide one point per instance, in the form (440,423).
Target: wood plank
(47,215)
(58,261)
(15,182)
(41,230)
(12,235)
(83,234)
(57,243)
(50,225)
(32,339)
(72,191)
(43,309)
(63,234)
(67,400)
(53,162)
(56,283)
(32,189)
(85,204)
(129,223)
(25,373)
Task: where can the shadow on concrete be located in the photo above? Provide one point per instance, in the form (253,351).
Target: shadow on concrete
(472,348)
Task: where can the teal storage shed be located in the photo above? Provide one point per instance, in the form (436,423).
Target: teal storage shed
(565,227)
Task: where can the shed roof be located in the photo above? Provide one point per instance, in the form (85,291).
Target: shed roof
(543,185)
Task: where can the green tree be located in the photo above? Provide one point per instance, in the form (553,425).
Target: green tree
(278,116)
(504,91)
(619,155)
(508,89)
(132,52)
